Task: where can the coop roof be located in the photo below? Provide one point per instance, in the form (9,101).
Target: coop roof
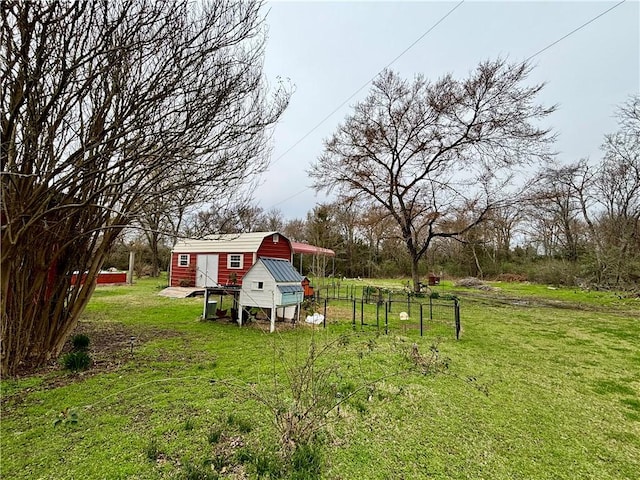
(281,270)
(290,288)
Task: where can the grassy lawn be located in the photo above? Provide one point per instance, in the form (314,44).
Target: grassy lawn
(543,384)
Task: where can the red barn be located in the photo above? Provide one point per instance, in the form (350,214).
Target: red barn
(223,259)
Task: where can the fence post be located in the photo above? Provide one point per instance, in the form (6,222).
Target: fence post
(378,315)
(430,308)
(361,313)
(389,297)
(353,314)
(457,315)
(325,313)
(420,318)
(386,321)
(409,303)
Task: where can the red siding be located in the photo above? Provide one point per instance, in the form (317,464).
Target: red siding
(104,278)
(281,249)
(224,272)
(187,275)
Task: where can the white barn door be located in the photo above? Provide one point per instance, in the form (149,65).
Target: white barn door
(207,271)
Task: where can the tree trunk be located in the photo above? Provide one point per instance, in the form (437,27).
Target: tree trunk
(415,274)
(40,310)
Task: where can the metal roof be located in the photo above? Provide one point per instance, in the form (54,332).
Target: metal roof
(281,270)
(227,242)
(299,247)
(290,288)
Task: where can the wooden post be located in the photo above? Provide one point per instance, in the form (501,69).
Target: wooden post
(132,261)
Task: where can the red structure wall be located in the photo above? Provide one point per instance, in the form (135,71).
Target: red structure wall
(186,276)
(280,249)
(104,278)
(224,273)
(183,276)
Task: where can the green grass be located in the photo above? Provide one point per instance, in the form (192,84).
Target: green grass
(543,384)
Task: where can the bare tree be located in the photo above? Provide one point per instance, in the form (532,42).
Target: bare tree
(99,101)
(617,190)
(555,206)
(424,150)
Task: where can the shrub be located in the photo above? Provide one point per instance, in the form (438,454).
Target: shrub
(214,435)
(76,361)
(151,450)
(188,424)
(267,465)
(80,342)
(193,471)
(306,461)
(242,424)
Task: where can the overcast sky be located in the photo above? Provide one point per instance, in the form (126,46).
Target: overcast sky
(329,50)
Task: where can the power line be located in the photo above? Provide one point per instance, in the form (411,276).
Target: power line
(574,30)
(405,51)
(290,197)
(367,83)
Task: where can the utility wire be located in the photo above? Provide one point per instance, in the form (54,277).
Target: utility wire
(290,197)
(366,84)
(574,31)
(405,51)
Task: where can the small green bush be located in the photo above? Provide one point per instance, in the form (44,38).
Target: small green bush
(214,435)
(306,462)
(267,465)
(76,361)
(193,471)
(244,455)
(242,424)
(188,424)
(152,450)
(80,342)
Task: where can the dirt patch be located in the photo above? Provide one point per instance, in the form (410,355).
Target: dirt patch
(112,344)
(264,325)
(110,347)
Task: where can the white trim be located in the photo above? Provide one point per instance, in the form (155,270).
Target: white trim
(233,242)
(184,256)
(230,256)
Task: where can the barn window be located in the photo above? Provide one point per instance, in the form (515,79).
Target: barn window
(234,261)
(257,285)
(276,238)
(183,260)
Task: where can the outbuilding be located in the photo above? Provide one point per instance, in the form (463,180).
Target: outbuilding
(223,259)
(274,285)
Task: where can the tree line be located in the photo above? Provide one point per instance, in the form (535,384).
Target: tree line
(451,177)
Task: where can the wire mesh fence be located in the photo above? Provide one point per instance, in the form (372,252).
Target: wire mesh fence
(388,311)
